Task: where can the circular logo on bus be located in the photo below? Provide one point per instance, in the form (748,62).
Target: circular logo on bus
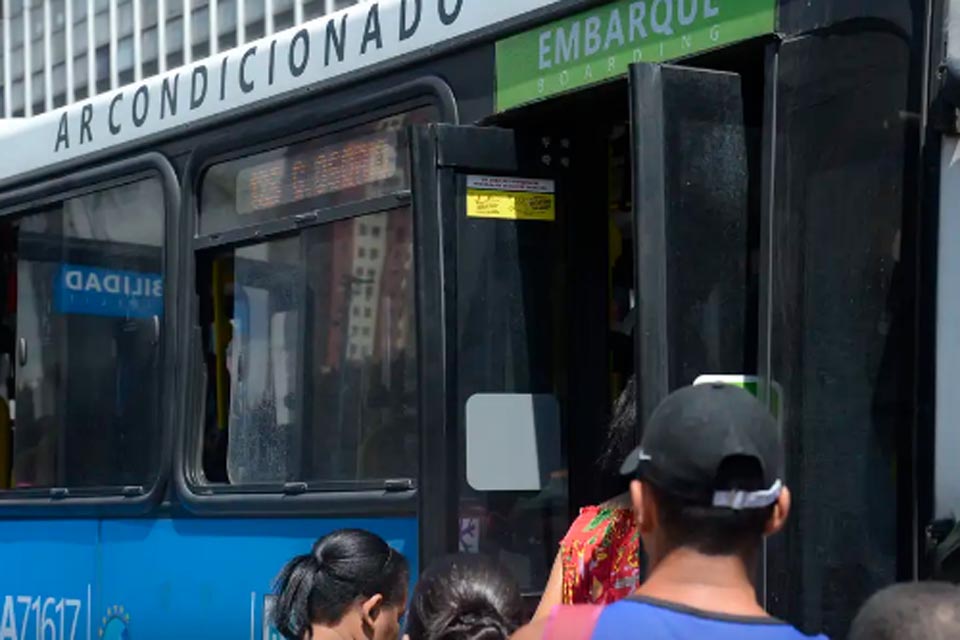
(115,625)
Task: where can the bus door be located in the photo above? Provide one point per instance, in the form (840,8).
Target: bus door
(691,224)
(696,272)
(491,298)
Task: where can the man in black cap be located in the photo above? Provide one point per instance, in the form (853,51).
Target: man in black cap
(706,489)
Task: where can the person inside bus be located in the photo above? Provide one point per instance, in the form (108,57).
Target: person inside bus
(707,488)
(914,611)
(599,558)
(351,586)
(465,597)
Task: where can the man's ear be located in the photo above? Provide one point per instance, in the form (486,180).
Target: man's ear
(643,510)
(370,609)
(778,517)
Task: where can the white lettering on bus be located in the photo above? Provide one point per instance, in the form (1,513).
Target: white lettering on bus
(568,45)
(586,37)
(661,15)
(591,36)
(614,31)
(46,617)
(687,17)
(637,11)
(545,49)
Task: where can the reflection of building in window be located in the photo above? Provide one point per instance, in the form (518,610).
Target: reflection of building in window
(371,275)
(368,261)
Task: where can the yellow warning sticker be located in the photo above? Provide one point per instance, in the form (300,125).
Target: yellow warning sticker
(511,198)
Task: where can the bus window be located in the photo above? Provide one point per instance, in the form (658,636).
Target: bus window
(311,356)
(309,337)
(80,316)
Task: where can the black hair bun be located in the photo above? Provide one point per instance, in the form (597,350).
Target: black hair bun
(465,597)
(477,619)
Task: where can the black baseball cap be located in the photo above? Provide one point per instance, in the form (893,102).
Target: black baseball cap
(693,431)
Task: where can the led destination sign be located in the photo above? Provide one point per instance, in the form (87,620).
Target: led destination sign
(313,169)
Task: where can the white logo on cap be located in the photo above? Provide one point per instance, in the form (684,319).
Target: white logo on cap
(740,500)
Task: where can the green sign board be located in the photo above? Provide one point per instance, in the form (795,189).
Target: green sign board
(601,43)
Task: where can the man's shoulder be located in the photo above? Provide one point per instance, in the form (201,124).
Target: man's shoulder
(628,613)
(565,622)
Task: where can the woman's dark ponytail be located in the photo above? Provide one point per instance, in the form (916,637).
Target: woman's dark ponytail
(294,586)
(344,566)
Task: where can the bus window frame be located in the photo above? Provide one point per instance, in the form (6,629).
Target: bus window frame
(111,500)
(341,498)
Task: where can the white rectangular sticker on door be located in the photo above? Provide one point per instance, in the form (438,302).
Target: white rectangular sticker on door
(511,198)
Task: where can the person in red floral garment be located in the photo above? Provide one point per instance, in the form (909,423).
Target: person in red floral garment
(599,558)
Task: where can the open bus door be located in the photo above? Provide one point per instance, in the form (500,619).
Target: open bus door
(492,463)
(696,279)
(691,221)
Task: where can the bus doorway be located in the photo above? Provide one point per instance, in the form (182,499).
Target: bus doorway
(701,239)
(584,138)
(639,264)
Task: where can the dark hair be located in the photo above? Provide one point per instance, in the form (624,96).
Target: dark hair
(465,597)
(344,566)
(716,531)
(916,611)
(621,430)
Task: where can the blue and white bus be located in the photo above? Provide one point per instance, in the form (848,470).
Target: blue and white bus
(389,268)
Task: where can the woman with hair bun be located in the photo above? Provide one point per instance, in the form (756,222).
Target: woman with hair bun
(352,586)
(465,597)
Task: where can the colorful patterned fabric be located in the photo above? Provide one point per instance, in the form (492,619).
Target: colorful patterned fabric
(600,556)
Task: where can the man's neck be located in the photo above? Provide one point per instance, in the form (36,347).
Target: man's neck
(715,584)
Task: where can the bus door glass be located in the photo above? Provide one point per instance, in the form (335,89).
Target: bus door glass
(499,443)
(692,228)
(696,282)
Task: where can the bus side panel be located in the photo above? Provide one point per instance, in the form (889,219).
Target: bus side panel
(209,578)
(48,578)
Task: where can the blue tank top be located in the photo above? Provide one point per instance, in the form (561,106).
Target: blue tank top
(651,619)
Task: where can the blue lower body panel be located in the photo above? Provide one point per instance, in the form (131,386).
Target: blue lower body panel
(166,578)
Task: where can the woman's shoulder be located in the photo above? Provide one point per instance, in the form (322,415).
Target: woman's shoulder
(598,519)
(620,502)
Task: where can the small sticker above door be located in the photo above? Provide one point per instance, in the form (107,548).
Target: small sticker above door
(511,198)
